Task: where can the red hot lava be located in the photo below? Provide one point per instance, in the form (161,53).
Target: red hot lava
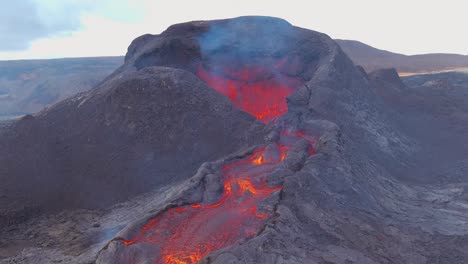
(186,234)
(263,98)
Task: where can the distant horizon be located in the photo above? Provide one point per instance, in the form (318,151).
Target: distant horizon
(50,29)
(123,55)
(65,58)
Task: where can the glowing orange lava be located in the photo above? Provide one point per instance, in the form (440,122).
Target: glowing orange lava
(186,234)
(264,99)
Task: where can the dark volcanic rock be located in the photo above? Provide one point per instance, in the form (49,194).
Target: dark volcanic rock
(432,110)
(341,205)
(136,131)
(236,43)
(347,203)
(387,78)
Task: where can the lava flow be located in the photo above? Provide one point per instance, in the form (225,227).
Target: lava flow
(186,234)
(264,99)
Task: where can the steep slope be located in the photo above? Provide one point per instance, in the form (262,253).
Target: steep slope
(372,59)
(27,86)
(134,132)
(327,184)
(432,111)
(336,204)
(386,83)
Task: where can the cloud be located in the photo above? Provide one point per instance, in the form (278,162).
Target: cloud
(23,21)
(69,28)
(98,36)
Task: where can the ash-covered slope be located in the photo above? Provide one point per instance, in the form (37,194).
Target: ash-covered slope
(432,110)
(322,186)
(134,132)
(387,83)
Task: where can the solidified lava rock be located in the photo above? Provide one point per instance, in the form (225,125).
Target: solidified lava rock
(236,57)
(144,128)
(339,205)
(137,131)
(387,83)
(328,192)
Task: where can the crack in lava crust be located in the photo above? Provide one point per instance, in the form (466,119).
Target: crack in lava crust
(184,235)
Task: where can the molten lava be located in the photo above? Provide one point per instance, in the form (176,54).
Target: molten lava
(263,98)
(184,235)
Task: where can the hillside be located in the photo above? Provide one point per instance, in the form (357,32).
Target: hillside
(244,140)
(27,86)
(372,58)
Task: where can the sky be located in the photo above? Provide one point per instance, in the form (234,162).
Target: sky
(41,29)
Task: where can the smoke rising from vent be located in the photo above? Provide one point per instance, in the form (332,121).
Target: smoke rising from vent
(250,64)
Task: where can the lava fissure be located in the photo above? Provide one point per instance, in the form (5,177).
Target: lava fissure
(250,91)
(186,234)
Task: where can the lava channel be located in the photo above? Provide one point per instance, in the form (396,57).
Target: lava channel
(184,235)
(264,99)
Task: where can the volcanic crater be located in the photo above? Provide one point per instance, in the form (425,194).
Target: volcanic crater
(256,78)
(257,142)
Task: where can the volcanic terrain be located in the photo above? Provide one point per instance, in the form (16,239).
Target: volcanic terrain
(372,59)
(245,140)
(28,86)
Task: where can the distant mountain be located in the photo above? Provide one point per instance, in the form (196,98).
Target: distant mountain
(27,86)
(372,58)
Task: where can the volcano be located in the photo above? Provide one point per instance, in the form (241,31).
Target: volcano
(330,147)
(244,140)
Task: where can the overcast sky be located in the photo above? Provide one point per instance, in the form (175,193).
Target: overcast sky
(31,29)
